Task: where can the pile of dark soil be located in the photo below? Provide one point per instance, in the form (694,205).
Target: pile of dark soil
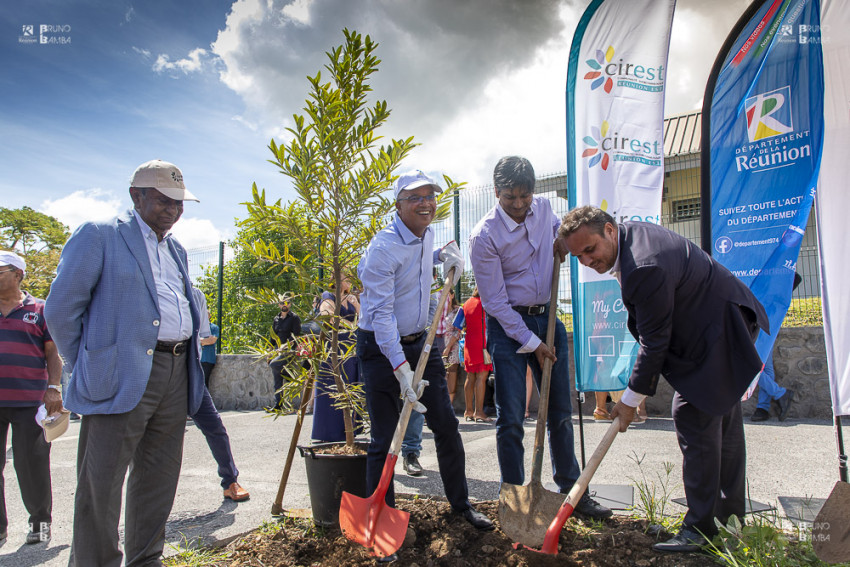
(437,537)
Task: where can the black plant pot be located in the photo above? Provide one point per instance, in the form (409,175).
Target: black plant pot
(329,475)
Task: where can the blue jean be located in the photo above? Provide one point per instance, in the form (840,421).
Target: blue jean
(768,388)
(209,422)
(510,369)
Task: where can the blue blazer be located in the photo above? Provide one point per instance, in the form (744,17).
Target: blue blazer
(103,315)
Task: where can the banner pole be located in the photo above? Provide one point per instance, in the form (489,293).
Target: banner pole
(842,457)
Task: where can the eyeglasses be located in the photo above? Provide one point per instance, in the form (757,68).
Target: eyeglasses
(416,199)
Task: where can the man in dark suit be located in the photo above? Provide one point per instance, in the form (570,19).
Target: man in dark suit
(695,324)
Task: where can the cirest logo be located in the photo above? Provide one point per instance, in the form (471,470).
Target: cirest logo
(593,149)
(601,146)
(769,114)
(604,71)
(723,245)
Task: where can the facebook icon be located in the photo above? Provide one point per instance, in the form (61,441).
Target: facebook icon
(723,244)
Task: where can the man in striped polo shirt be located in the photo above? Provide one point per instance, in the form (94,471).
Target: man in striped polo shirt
(30,373)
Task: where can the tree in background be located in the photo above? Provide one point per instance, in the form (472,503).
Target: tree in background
(246,321)
(38,238)
(340,175)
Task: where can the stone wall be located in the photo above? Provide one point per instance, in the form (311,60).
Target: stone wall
(241,382)
(799,360)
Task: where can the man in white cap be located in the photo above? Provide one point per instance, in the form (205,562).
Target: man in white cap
(30,373)
(396,308)
(122,314)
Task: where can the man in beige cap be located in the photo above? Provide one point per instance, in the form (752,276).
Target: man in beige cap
(123,316)
(30,371)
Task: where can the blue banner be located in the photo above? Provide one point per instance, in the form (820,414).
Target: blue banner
(765,122)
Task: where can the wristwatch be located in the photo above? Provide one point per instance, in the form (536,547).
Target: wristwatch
(56,387)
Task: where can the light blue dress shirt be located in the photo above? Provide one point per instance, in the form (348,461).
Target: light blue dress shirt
(175,322)
(397,272)
(512,263)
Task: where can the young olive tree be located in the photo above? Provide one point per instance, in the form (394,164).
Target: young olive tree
(340,174)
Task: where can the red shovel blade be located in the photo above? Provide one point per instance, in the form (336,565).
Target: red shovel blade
(370,522)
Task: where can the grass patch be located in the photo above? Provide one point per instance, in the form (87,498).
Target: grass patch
(804,312)
(761,542)
(192,554)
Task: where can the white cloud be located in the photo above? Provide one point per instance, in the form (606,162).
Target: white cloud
(143,52)
(196,233)
(188,65)
(81,206)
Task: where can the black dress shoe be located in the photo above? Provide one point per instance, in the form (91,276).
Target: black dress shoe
(784,404)
(590,508)
(478,520)
(686,541)
(760,414)
(411,465)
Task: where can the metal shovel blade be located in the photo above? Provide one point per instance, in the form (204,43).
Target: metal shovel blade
(525,512)
(831,528)
(371,523)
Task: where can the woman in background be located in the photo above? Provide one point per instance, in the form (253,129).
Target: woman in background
(328,423)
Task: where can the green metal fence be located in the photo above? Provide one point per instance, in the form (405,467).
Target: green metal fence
(681,211)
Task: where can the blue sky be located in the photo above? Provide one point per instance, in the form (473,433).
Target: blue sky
(206,84)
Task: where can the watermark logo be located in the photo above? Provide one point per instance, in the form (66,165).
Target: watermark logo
(48,34)
(723,245)
(27,34)
(605,73)
(769,114)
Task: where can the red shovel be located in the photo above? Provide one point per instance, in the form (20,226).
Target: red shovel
(550,542)
(369,521)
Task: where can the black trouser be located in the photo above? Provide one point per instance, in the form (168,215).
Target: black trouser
(714,464)
(280,373)
(32,465)
(208,368)
(384,405)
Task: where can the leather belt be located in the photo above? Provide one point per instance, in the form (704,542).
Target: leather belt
(175,348)
(410,339)
(531,309)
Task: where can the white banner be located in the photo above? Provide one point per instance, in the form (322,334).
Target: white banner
(619,111)
(615,161)
(833,201)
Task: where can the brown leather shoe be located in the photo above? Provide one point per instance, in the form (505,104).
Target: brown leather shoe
(236,493)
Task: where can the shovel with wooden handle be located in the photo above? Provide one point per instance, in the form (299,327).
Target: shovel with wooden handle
(277,508)
(553,533)
(831,528)
(525,512)
(369,521)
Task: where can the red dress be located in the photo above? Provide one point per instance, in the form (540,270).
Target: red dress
(476,339)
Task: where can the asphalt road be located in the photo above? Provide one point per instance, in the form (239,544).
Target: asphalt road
(796,458)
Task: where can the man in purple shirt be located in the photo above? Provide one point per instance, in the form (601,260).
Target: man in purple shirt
(511,250)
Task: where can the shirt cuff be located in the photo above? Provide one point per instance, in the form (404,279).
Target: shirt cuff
(632,398)
(531,345)
(397,361)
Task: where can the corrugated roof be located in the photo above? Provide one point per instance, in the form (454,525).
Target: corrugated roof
(682,134)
